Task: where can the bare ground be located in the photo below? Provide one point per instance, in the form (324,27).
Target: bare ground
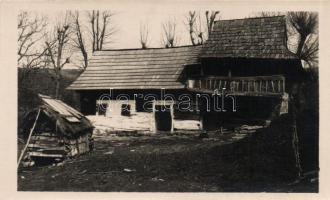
(161,163)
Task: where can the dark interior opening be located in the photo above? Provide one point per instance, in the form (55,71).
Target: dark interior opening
(163,118)
(102,108)
(125,109)
(142,106)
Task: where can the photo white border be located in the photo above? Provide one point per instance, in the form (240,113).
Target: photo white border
(8,85)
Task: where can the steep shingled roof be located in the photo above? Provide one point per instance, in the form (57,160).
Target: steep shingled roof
(137,68)
(263,37)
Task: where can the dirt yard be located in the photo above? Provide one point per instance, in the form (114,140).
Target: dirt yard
(163,163)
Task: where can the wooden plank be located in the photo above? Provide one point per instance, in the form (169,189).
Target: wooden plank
(173,77)
(190,56)
(256,86)
(73,111)
(146,55)
(215,84)
(108,68)
(45,134)
(243,85)
(155,52)
(135,72)
(39,154)
(45,144)
(257,94)
(272,77)
(81,139)
(146,52)
(106,65)
(46,147)
(127,82)
(134,86)
(143,61)
(57,106)
(45,138)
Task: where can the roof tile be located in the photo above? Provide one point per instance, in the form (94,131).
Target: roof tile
(137,68)
(263,37)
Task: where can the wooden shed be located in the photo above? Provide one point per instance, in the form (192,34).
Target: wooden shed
(56,130)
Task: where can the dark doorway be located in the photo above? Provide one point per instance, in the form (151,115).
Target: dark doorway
(163,119)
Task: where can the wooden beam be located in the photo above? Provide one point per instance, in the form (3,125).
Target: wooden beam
(28,140)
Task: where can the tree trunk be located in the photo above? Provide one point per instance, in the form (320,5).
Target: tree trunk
(58,79)
(301,44)
(85,59)
(57,88)
(192,37)
(97,30)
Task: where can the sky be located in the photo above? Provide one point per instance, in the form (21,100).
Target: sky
(127,24)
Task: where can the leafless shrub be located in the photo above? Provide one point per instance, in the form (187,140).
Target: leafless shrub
(144,35)
(169,34)
(210,19)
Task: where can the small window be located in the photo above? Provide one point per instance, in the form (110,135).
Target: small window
(102,108)
(125,109)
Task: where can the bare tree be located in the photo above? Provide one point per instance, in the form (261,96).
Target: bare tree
(192,23)
(309,52)
(302,34)
(55,51)
(210,19)
(78,40)
(30,34)
(306,25)
(144,35)
(169,34)
(196,28)
(101,28)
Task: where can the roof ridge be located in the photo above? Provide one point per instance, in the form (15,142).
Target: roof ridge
(153,48)
(249,18)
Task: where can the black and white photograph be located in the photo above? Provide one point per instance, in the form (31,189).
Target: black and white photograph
(198,100)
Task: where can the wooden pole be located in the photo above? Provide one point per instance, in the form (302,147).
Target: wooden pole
(28,140)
